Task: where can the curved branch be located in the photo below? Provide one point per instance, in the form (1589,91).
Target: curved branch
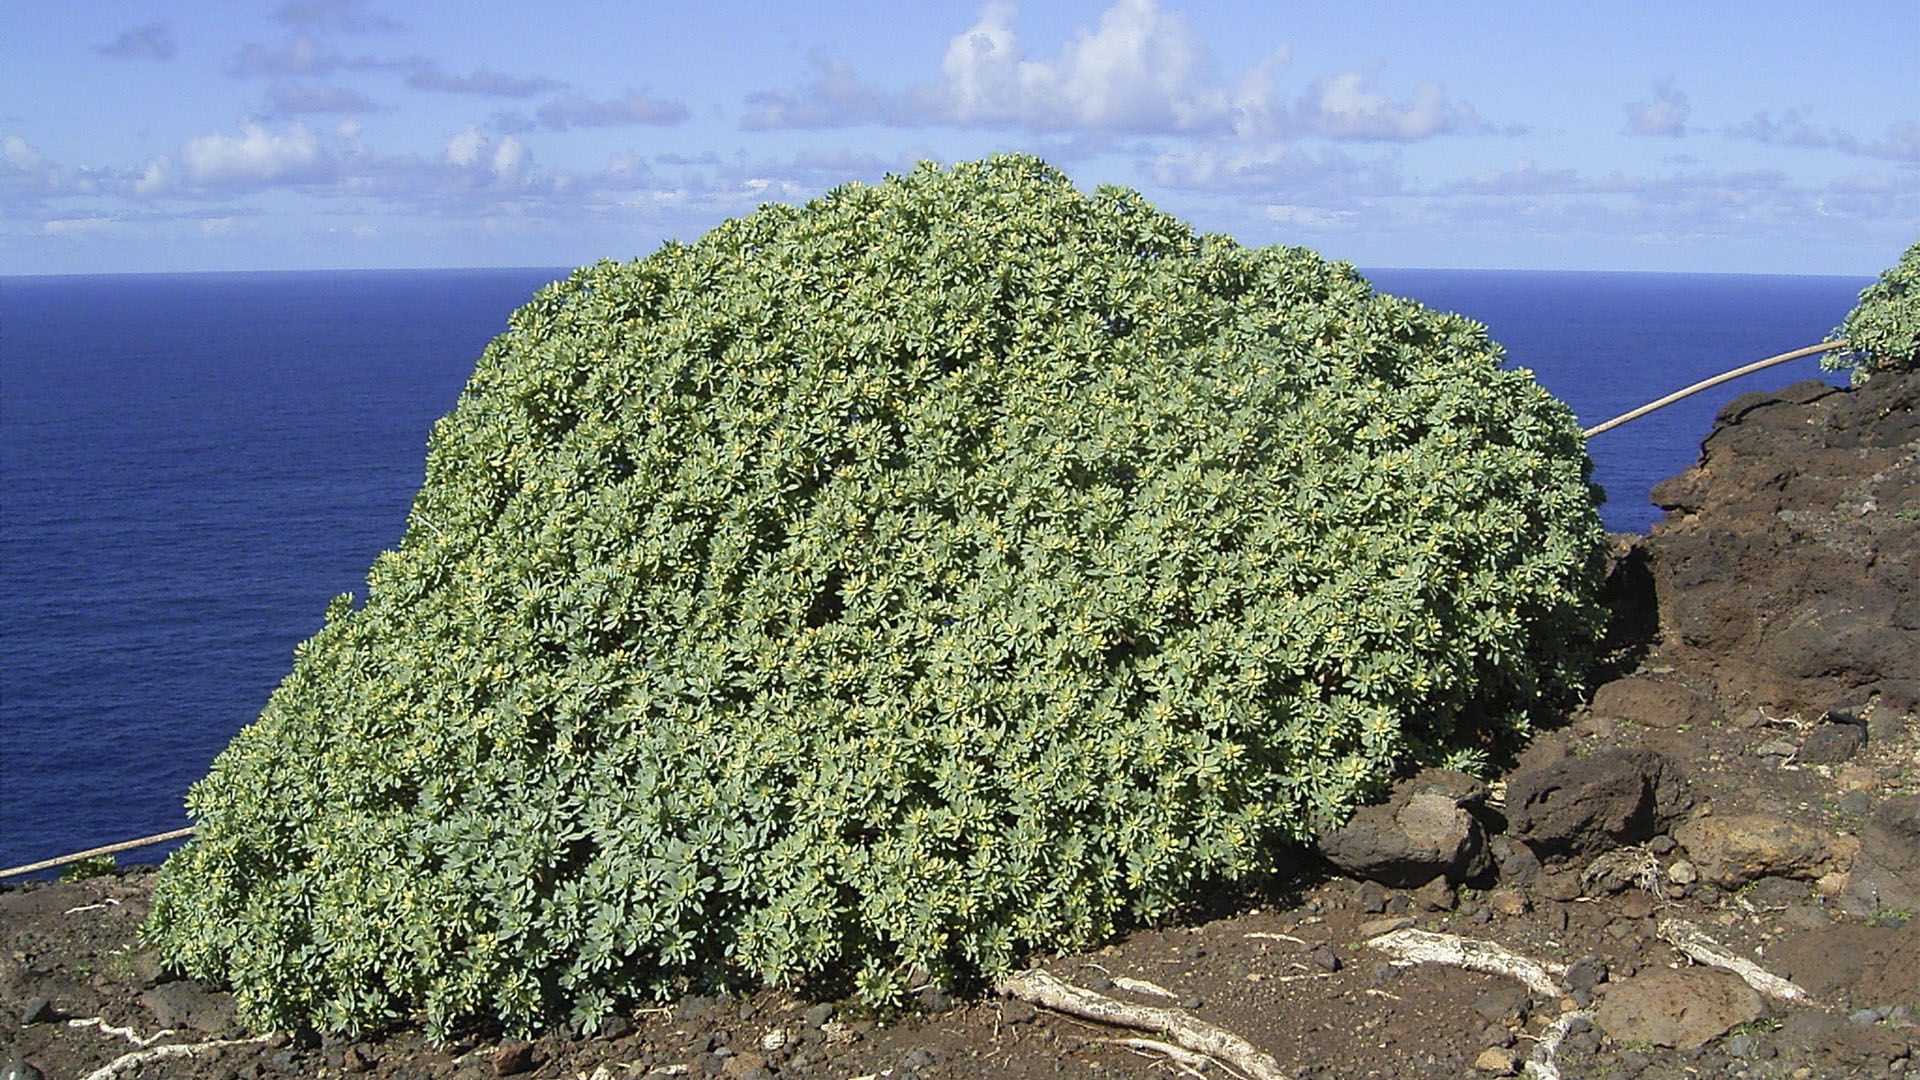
(1708,384)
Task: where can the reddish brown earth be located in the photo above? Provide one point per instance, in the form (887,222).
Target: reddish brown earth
(1750,765)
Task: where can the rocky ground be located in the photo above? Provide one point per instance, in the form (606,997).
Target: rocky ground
(1743,788)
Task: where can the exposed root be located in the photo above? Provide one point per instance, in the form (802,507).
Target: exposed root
(131,1061)
(1186,1060)
(1143,987)
(1426,947)
(1540,1064)
(126,1033)
(1262,935)
(1702,949)
(1040,988)
(101,906)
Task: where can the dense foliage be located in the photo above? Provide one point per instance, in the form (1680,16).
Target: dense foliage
(1883,329)
(951,567)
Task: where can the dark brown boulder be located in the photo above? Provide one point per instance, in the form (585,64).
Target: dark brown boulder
(1787,559)
(1587,805)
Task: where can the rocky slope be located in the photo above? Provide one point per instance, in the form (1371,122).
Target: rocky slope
(1743,787)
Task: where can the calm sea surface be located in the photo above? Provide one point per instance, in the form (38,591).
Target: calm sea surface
(191,466)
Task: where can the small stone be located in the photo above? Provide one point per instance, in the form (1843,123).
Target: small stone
(39,1011)
(1376,927)
(510,1059)
(1562,887)
(816,1015)
(1435,895)
(1856,803)
(1508,902)
(1496,1061)
(1517,862)
(1661,845)
(1831,744)
(1325,959)
(356,1060)
(738,1066)
(1371,897)
(1587,973)
(1682,872)
(19,1068)
(1503,1004)
(935,999)
(694,1008)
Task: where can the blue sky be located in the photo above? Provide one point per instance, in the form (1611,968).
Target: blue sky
(1755,137)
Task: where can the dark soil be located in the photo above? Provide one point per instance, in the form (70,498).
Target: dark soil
(1775,693)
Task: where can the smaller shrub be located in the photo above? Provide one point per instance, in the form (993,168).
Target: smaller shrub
(1883,329)
(98,866)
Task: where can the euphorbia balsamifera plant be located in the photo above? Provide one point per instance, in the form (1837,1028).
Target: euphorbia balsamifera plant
(950,568)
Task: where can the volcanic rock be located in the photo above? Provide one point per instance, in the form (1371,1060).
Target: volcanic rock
(1886,874)
(1423,832)
(1682,1009)
(1651,703)
(1734,849)
(1587,805)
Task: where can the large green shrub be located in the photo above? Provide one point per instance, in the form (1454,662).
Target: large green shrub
(949,568)
(1883,329)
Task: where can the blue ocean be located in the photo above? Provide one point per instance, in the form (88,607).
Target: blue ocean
(191,466)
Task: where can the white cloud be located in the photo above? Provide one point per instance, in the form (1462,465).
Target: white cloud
(20,155)
(150,42)
(484,81)
(1315,218)
(256,156)
(1524,178)
(1901,142)
(1345,106)
(578,110)
(1275,172)
(464,148)
(507,163)
(834,98)
(1666,114)
(158,178)
(1138,71)
(81,226)
(510,159)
